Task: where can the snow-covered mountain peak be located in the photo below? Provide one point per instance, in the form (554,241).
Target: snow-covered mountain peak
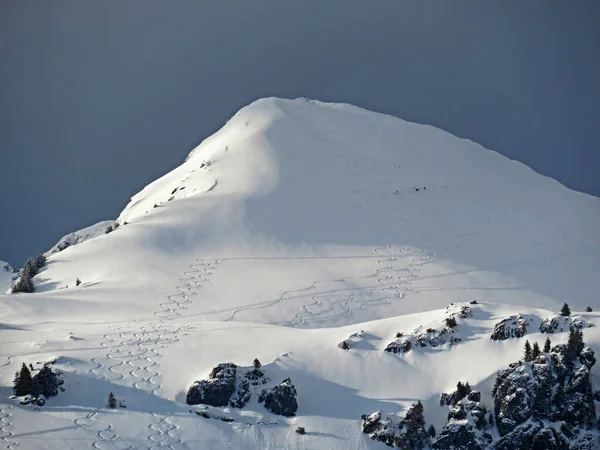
(416,259)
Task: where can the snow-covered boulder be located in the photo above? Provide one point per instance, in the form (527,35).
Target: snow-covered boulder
(217,390)
(281,399)
(468,424)
(436,334)
(562,323)
(511,327)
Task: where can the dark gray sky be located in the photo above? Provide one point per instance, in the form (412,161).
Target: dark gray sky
(97,99)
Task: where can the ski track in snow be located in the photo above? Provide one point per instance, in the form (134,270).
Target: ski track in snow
(5,419)
(397,287)
(132,355)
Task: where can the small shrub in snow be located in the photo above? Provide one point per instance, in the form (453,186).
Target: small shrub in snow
(300,430)
(399,334)
(112,401)
(257,364)
(77,282)
(450,322)
(109,229)
(345,345)
(588,309)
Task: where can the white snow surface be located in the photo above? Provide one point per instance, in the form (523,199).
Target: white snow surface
(80,236)
(294,227)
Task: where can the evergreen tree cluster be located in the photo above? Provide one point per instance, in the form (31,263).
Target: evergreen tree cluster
(565,310)
(413,434)
(25,281)
(45,382)
(530,354)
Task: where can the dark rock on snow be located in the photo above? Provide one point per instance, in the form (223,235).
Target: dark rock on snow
(281,400)
(467,425)
(217,390)
(547,403)
(513,326)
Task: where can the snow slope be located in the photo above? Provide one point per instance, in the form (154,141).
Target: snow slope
(7,272)
(296,225)
(80,236)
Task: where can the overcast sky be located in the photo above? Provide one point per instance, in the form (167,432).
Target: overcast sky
(97,99)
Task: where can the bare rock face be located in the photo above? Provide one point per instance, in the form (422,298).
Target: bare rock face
(510,327)
(217,390)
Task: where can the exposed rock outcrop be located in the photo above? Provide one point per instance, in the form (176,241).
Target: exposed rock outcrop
(408,434)
(510,327)
(547,403)
(467,426)
(439,334)
(281,399)
(217,390)
(562,323)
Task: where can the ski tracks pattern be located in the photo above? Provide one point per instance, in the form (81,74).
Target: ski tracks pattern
(391,283)
(132,357)
(5,421)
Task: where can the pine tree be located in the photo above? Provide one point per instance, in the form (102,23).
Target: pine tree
(565,310)
(23,383)
(431,431)
(497,383)
(46,382)
(462,390)
(588,309)
(575,345)
(547,345)
(413,433)
(527,352)
(112,401)
(257,365)
(535,351)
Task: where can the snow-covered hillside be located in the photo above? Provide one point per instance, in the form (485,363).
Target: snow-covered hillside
(80,236)
(289,231)
(7,273)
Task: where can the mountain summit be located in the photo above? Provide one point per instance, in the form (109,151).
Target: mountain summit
(399,245)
